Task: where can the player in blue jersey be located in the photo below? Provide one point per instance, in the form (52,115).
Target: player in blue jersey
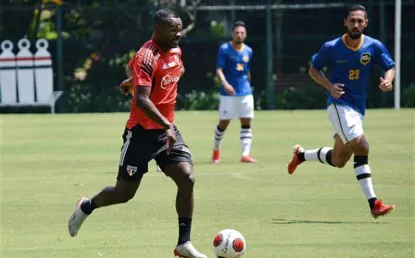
(236,100)
(349,59)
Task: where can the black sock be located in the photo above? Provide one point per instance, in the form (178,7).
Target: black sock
(328,158)
(220,129)
(301,156)
(185,226)
(88,206)
(372,202)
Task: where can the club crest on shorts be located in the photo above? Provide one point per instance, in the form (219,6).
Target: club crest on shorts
(365,58)
(131,170)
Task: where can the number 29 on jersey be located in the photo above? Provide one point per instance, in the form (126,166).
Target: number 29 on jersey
(354,74)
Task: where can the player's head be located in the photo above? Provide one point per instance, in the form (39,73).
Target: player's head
(239,32)
(356,21)
(167,26)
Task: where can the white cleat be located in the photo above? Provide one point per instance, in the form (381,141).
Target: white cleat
(187,250)
(77,218)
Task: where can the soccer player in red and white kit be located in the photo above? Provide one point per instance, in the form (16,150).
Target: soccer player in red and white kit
(150,132)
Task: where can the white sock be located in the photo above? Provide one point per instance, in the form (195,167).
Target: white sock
(365,180)
(246,141)
(318,154)
(219,133)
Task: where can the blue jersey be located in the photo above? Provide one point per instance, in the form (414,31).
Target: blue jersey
(236,66)
(352,67)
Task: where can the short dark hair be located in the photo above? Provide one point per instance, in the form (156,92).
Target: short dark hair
(238,24)
(164,15)
(356,7)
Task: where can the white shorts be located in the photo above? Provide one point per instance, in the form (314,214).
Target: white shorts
(346,122)
(236,107)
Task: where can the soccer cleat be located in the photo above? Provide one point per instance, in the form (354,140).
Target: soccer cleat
(77,218)
(216,156)
(187,250)
(381,209)
(295,161)
(158,169)
(248,159)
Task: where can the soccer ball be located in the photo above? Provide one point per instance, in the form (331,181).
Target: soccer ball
(229,243)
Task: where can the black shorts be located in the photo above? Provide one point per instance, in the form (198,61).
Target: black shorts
(141,146)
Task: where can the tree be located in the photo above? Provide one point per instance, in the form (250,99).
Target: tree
(178,5)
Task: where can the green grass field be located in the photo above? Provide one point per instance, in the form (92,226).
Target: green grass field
(48,161)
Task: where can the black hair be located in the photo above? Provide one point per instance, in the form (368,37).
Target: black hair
(356,7)
(238,24)
(164,15)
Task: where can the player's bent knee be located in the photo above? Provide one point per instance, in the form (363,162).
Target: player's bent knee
(182,175)
(246,121)
(188,178)
(125,191)
(223,124)
(360,146)
(190,181)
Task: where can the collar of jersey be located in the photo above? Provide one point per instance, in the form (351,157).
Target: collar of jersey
(352,48)
(161,52)
(240,50)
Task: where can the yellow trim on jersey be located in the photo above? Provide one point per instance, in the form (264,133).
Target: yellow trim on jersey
(239,50)
(362,39)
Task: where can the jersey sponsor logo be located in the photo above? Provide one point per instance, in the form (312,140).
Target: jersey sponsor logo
(167,80)
(131,170)
(365,58)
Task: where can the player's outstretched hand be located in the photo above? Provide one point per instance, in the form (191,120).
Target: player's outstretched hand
(385,85)
(337,90)
(125,86)
(229,89)
(170,138)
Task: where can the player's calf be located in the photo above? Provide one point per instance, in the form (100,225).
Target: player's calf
(364,177)
(246,139)
(182,174)
(122,192)
(218,138)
